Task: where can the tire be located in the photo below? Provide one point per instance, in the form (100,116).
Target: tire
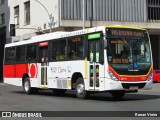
(117,94)
(81,93)
(27,87)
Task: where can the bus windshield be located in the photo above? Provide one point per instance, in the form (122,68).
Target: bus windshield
(129,53)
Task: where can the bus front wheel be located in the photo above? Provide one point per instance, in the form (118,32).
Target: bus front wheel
(81,93)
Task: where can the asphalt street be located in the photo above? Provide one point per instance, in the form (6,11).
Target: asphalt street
(12,98)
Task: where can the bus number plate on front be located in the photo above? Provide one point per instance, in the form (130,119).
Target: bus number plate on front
(133,87)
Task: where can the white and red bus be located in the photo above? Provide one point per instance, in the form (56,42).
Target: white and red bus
(115,59)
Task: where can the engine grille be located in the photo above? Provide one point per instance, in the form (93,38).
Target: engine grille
(128,85)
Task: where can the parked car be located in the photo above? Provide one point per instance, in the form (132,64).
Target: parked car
(156,75)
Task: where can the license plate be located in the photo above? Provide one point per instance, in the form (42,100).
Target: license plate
(133,87)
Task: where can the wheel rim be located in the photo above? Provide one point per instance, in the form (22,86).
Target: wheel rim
(80,89)
(26,86)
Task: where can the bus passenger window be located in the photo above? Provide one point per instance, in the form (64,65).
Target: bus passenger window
(75,48)
(59,50)
(10,55)
(31,52)
(20,54)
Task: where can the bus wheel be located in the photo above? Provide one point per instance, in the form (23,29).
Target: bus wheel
(117,94)
(81,93)
(26,86)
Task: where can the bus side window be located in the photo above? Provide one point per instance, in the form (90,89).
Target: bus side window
(59,50)
(20,53)
(31,53)
(10,55)
(75,48)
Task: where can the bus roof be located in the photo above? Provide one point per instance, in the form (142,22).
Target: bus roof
(55,35)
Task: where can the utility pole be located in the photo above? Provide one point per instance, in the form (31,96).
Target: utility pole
(91,12)
(83,14)
(49,15)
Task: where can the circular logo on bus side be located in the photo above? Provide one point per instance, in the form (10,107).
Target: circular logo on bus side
(33,70)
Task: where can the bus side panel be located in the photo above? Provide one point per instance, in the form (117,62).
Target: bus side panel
(21,69)
(9,71)
(60,73)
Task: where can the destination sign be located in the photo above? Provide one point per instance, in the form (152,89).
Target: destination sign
(76,39)
(120,61)
(126,32)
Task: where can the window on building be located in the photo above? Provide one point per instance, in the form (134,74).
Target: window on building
(59,50)
(2,2)
(27,13)
(16,15)
(2,19)
(153,10)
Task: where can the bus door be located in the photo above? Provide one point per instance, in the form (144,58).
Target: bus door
(43,58)
(94,57)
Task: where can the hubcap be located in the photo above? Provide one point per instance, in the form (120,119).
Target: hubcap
(80,89)
(26,86)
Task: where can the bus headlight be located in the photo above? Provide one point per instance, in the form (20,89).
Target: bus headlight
(112,76)
(150,77)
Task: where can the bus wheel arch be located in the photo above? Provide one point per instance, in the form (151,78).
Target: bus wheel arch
(26,84)
(74,78)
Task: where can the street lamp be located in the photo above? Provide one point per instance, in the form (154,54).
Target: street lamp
(49,15)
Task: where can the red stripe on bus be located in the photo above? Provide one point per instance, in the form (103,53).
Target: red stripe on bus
(15,71)
(132,78)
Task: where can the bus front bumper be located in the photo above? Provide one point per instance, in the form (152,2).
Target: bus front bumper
(129,86)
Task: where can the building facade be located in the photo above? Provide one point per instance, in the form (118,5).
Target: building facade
(32,17)
(3,32)
(136,13)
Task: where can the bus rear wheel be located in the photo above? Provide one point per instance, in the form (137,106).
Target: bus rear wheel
(27,87)
(81,93)
(117,94)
